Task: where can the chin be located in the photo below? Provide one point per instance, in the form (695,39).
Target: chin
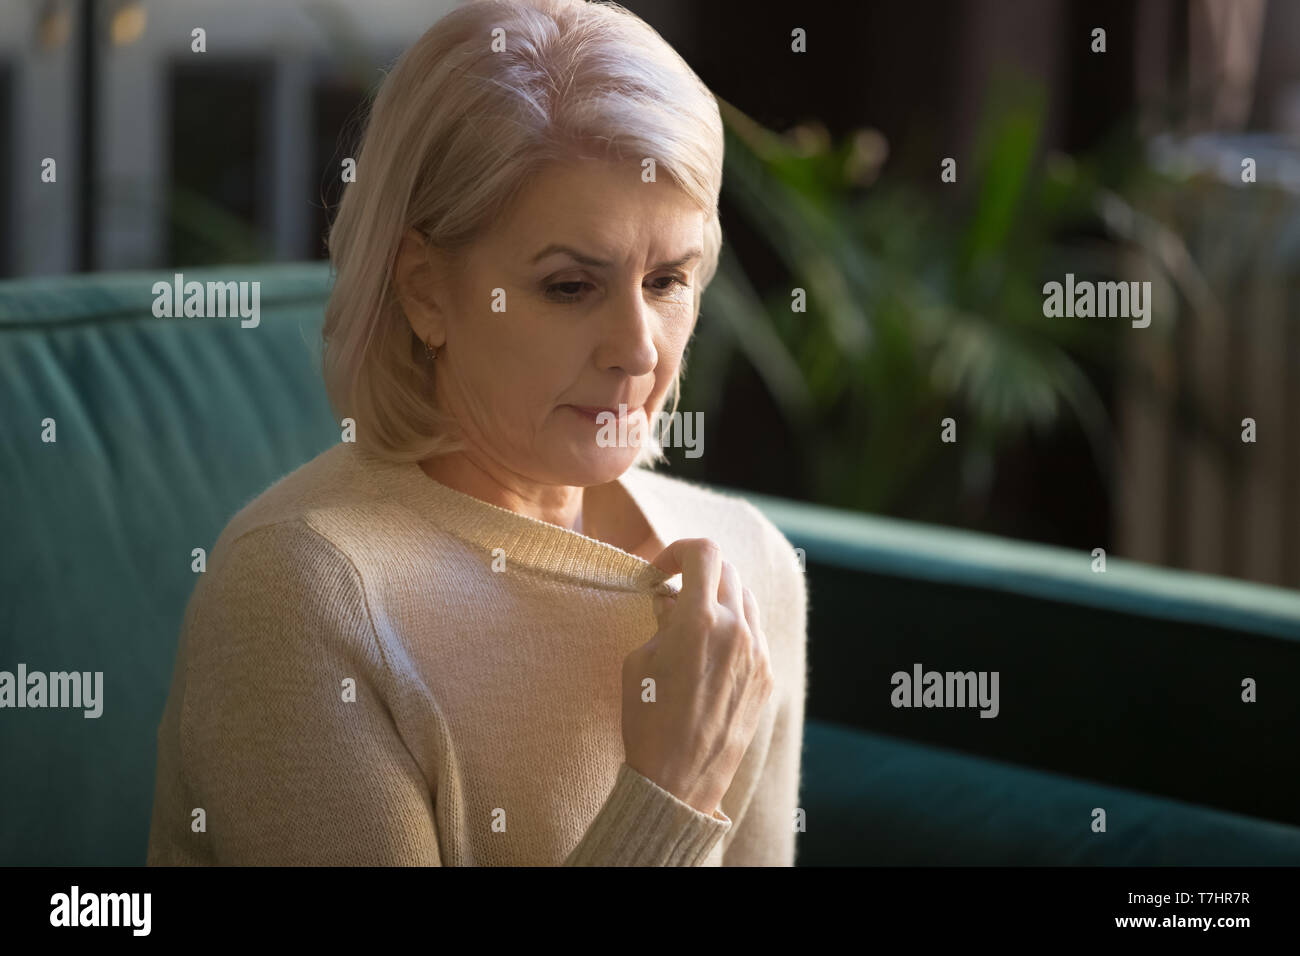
(596,466)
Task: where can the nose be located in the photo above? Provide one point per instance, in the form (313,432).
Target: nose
(627,335)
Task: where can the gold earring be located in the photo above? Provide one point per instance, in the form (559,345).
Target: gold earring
(430,351)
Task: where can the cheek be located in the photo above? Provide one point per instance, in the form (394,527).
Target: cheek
(526,372)
(676,336)
(677,333)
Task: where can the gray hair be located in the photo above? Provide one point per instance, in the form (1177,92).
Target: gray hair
(454,134)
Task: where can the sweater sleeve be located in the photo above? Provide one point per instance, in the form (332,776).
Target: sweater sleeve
(285,739)
(641,824)
(765,832)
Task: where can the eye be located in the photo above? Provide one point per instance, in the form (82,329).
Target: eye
(678,283)
(564,291)
(572,291)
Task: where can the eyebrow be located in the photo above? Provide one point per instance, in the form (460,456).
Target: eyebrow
(595,263)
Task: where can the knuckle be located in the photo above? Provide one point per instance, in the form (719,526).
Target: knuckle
(708,547)
(738,633)
(708,617)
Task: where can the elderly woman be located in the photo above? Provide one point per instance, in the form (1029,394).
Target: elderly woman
(453,638)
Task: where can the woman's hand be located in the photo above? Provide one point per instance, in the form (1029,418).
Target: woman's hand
(712,675)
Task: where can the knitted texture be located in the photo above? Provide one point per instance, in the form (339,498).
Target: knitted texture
(377,669)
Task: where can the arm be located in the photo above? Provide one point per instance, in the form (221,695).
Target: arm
(765,835)
(288,772)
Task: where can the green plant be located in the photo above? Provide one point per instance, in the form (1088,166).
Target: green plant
(913,314)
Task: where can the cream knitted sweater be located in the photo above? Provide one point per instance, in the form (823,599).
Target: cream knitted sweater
(377,669)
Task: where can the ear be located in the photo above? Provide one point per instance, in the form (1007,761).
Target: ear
(417,284)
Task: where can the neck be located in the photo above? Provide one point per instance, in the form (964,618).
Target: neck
(600,512)
(560,505)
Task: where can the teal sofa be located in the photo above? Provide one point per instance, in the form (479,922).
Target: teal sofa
(1119,691)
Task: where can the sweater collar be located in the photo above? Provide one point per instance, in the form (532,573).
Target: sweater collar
(527,541)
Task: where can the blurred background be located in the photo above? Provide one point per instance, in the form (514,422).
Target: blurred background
(924,297)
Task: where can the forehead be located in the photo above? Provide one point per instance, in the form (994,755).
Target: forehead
(604,202)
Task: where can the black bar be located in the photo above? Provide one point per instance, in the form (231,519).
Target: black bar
(971,904)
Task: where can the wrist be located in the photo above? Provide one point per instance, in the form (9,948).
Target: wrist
(705,800)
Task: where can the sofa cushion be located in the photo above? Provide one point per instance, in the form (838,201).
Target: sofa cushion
(870,799)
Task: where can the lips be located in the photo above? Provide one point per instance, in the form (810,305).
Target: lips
(592,411)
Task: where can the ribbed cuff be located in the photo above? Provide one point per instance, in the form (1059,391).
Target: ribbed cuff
(642,824)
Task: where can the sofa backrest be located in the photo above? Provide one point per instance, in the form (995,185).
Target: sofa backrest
(1131,677)
(164,428)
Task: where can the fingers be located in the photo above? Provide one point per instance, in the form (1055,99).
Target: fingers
(699,562)
(751,611)
(730,590)
(755,624)
(701,565)
(663,605)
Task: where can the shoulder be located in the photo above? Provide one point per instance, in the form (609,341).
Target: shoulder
(328,514)
(280,584)
(328,479)
(278,564)
(285,555)
(280,608)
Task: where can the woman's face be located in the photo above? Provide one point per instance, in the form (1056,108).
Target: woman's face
(583,296)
